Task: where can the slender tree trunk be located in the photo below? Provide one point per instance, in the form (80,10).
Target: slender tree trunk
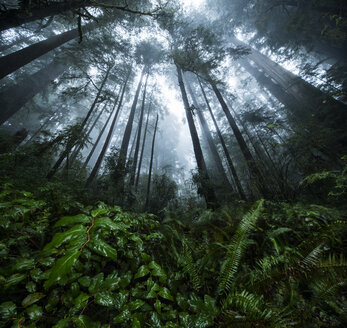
(277,91)
(150,166)
(109,136)
(13,98)
(16,17)
(67,150)
(127,133)
(253,169)
(133,143)
(136,154)
(79,147)
(205,188)
(208,137)
(98,139)
(16,60)
(142,149)
(310,97)
(226,151)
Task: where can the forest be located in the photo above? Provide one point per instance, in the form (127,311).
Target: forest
(177,164)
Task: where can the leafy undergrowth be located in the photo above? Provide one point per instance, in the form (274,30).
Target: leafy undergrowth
(275,265)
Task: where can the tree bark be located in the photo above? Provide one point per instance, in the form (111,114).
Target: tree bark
(16,60)
(142,149)
(253,169)
(205,188)
(67,151)
(150,166)
(208,137)
(16,17)
(13,98)
(226,151)
(127,133)
(136,154)
(108,138)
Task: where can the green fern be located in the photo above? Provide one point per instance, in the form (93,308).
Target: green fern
(190,267)
(236,249)
(254,310)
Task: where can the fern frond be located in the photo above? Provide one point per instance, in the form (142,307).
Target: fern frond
(190,267)
(312,259)
(254,308)
(333,261)
(237,247)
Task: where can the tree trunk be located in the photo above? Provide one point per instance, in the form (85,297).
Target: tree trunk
(150,166)
(127,133)
(90,129)
(226,151)
(108,138)
(208,137)
(253,169)
(143,148)
(13,98)
(66,152)
(16,60)
(16,17)
(332,111)
(205,189)
(136,154)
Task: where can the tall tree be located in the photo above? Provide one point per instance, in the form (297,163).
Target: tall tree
(225,149)
(13,98)
(150,166)
(68,149)
(109,136)
(253,169)
(143,147)
(16,60)
(138,140)
(206,187)
(220,172)
(127,133)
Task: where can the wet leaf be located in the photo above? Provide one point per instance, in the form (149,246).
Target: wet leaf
(32,298)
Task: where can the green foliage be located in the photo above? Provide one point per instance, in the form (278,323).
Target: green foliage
(269,265)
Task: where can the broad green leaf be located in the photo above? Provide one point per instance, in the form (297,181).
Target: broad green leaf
(104,298)
(136,323)
(107,223)
(96,283)
(203,320)
(8,310)
(157,306)
(142,271)
(23,264)
(102,248)
(30,287)
(83,321)
(120,299)
(111,282)
(134,305)
(35,312)
(14,279)
(62,267)
(32,298)
(155,321)
(81,300)
(68,220)
(85,281)
(122,317)
(100,211)
(165,293)
(136,239)
(145,257)
(157,271)
(63,237)
(126,279)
